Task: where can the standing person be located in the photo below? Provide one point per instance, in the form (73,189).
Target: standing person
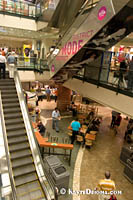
(130,75)
(11,60)
(48,92)
(75,129)
(114,115)
(2,65)
(55,119)
(117,122)
(39,93)
(3,52)
(56,94)
(73,108)
(107,185)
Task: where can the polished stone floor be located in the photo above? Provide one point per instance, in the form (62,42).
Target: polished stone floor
(104,155)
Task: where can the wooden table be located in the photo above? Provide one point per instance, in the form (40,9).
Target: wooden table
(90,137)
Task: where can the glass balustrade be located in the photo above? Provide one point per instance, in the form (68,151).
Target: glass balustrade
(20,8)
(102,73)
(32,63)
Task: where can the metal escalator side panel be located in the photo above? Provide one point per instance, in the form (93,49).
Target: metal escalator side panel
(96,19)
(32,141)
(14,195)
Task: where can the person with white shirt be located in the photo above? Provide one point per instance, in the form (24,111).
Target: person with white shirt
(2,65)
(55,119)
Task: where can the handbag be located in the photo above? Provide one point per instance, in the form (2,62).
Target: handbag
(113,197)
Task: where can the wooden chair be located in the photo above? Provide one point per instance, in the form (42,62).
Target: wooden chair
(93,132)
(80,138)
(88,143)
(70,133)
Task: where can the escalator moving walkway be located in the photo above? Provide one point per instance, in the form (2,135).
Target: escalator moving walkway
(25,177)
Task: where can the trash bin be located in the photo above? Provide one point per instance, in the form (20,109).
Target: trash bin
(125,154)
(60,177)
(57,172)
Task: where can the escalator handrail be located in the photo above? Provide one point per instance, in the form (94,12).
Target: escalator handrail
(32,140)
(14,194)
(66,33)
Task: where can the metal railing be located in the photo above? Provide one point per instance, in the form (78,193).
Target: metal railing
(32,63)
(114,78)
(20,8)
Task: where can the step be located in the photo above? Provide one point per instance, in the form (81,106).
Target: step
(9,91)
(14,140)
(25,179)
(13,115)
(9,96)
(18,147)
(19,171)
(14,121)
(7,88)
(16,133)
(7,83)
(7,80)
(33,195)
(12,110)
(20,154)
(11,105)
(14,100)
(28,188)
(22,162)
(15,127)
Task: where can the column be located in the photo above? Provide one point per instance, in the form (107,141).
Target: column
(64,98)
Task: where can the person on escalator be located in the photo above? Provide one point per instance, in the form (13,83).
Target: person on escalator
(11,61)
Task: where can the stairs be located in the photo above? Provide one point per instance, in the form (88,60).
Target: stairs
(24,172)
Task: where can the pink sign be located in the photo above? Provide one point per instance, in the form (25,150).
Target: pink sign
(102,13)
(52,68)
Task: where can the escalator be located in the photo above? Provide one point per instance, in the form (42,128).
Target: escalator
(24,173)
(104,26)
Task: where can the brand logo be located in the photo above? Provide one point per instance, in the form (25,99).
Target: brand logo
(52,68)
(102,13)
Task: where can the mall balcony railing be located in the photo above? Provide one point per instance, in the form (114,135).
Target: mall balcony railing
(32,64)
(20,8)
(112,78)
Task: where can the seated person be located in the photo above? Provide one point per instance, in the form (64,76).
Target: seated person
(41,128)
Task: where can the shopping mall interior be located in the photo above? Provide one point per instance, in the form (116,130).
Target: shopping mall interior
(66,89)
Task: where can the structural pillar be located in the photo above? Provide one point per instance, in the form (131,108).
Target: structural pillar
(64,98)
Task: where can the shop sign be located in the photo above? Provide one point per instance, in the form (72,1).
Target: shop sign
(53,68)
(102,13)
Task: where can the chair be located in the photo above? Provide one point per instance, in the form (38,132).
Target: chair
(70,133)
(65,140)
(88,143)
(93,132)
(80,138)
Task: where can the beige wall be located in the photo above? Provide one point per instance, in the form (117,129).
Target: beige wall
(121,103)
(17,22)
(29,76)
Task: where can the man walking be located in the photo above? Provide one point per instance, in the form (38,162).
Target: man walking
(107,185)
(11,60)
(48,92)
(55,119)
(114,115)
(2,65)
(75,129)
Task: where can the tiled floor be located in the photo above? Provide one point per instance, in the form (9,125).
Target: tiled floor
(104,155)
